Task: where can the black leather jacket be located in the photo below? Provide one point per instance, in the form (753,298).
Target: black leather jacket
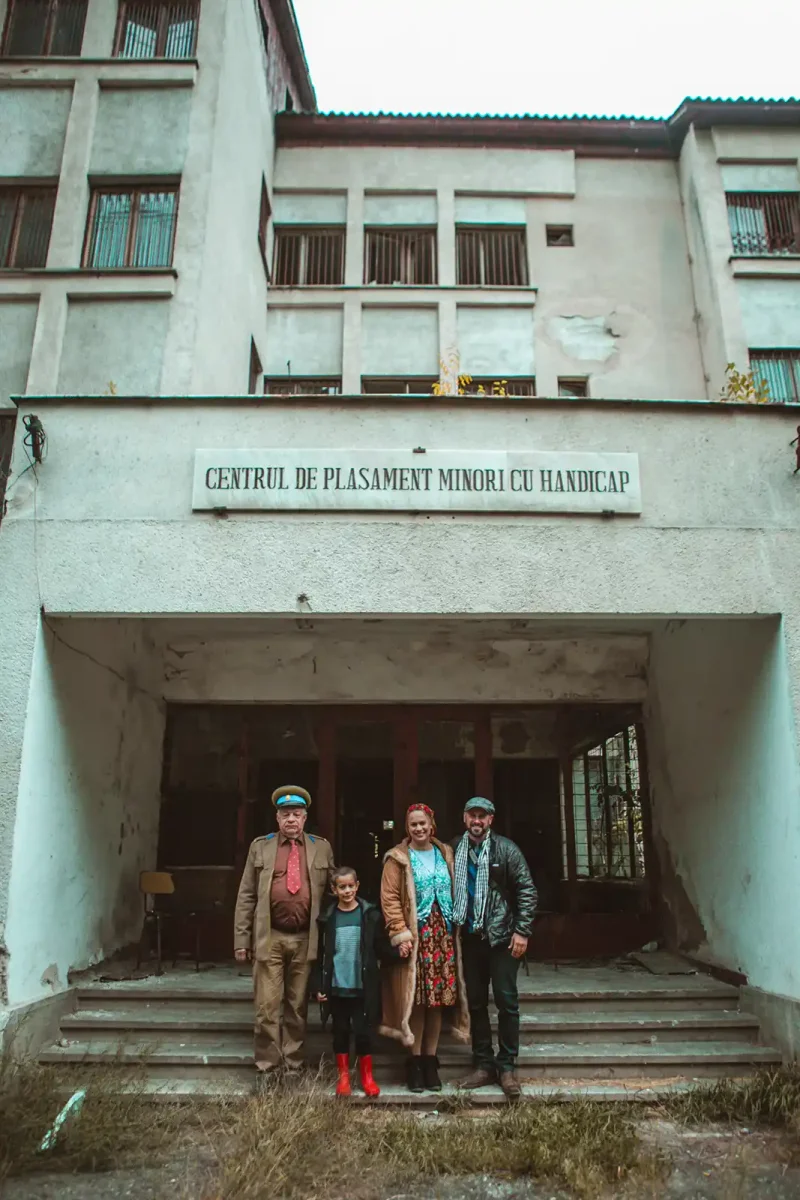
(511,902)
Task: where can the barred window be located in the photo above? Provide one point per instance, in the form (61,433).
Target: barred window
(26,219)
(38,28)
(308,257)
(156,29)
(606,802)
(500,387)
(383,385)
(779,370)
(491,256)
(290,386)
(764,222)
(131,227)
(405,256)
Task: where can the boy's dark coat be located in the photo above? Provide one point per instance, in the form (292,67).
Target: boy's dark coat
(375,947)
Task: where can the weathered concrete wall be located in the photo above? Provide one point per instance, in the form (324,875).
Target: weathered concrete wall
(17,325)
(726,795)
(88,805)
(392,663)
(617,306)
(33,125)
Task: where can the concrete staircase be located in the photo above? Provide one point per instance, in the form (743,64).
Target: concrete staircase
(603,1033)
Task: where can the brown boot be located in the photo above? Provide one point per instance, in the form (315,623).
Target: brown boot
(510,1084)
(478,1078)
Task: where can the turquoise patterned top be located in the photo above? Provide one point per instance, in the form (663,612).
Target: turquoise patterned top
(432,882)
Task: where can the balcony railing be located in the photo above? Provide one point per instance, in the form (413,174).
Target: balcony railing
(764,222)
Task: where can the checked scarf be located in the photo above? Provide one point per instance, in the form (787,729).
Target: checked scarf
(480,856)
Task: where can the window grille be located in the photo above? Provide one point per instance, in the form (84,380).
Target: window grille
(131,228)
(406,256)
(286,386)
(308,257)
(764,222)
(491,256)
(500,387)
(38,28)
(386,386)
(156,29)
(780,371)
(607,810)
(26,220)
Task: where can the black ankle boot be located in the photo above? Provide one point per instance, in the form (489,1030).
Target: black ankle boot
(430,1073)
(414,1076)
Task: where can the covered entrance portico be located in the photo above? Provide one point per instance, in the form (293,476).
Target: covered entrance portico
(568,780)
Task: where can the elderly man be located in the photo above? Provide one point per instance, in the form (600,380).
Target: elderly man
(494,901)
(285,878)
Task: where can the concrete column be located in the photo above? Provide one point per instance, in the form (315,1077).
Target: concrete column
(99,30)
(48,340)
(351,345)
(449,360)
(446,236)
(354,252)
(72,202)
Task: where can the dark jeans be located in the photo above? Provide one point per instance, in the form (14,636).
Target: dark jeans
(484,964)
(348,1012)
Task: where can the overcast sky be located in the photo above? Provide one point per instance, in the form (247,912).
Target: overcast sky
(604,57)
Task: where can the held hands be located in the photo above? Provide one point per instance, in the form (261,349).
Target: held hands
(322,998)
(405,949)
(241,956)
(518,945)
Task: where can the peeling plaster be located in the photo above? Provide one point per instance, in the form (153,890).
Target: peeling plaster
(588,339)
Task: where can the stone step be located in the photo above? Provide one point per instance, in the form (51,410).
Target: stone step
(709,995)
(203,1025)
(233,1056)
(211,1087)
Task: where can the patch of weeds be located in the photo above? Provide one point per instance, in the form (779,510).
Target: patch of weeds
(345,1152)
(113,1129)
(769,1098)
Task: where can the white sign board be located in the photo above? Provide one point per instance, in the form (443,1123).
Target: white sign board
(416,481)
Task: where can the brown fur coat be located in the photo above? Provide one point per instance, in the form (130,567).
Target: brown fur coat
(398,980)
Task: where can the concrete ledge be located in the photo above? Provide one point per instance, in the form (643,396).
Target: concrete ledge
(26,1028)
(779,1017)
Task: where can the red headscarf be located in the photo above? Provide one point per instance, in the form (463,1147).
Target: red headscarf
(412,808)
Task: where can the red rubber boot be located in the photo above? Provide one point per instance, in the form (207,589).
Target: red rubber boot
(368,1084)
(343,1082)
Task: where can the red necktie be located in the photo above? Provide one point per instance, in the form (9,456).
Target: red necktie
(293,870)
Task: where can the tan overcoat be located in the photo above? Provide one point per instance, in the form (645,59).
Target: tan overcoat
(398,980)
(251,922)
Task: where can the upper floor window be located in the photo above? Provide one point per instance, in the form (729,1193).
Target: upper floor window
(500,387)
(780,371)
(7,421)
(383,385)
(288,385)
(491,256)
(405,256)
(764,222)
(26,219)
(264,213)
(310,256)
(559,235)
(131,227)
(156,29)
(574,388)
(35,28)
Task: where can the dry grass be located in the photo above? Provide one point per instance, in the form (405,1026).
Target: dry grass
(112,1130)
(769,1098)
(360,1154)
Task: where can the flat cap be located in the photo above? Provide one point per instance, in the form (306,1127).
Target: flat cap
(291,796)
(479,802)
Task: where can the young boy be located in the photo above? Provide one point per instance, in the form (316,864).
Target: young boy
(346,976)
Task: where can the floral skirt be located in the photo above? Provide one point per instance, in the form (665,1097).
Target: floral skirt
(436,964)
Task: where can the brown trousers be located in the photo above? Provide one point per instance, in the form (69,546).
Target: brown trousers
(281,980)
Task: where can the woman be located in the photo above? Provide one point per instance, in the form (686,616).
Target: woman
(417,904)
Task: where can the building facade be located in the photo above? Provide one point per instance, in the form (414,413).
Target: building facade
(387,454)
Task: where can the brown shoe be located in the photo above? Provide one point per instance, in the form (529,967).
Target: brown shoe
(478,1078)
(510,1084)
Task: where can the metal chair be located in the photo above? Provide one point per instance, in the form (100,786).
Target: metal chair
(151,885)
